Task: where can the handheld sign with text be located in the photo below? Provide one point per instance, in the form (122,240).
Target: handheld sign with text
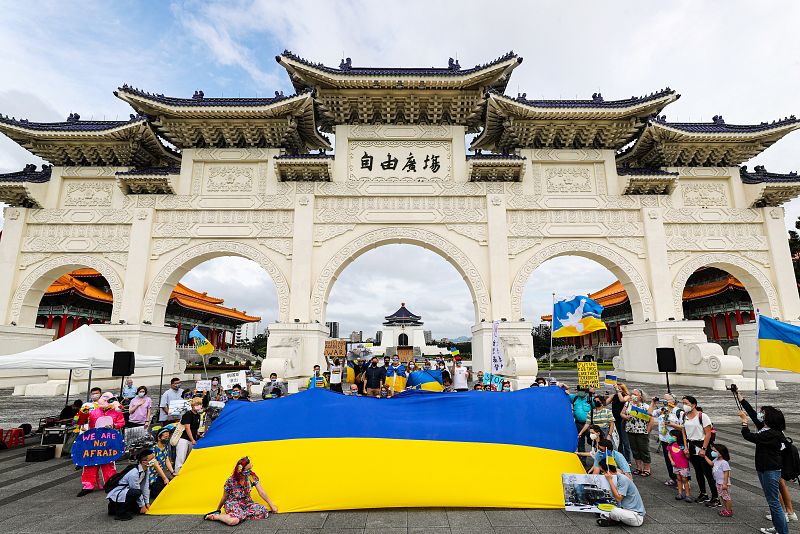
(228,380)
(98,446)
(336,348)
(203,385)
(588,377)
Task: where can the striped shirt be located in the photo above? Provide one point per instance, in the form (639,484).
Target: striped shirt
(603,418)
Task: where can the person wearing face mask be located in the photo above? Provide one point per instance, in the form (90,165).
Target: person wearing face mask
(337,372)
(132,494)
(600,416)
(638,424)
(697,429)
(161,452)
(461,375)
(274,388)
(238,394)
(581,408)
(374,378)
(605,450)
(679,460)
(668,417)
(139,409)
(216,393)
(354,391)
(191,428)
(396,376)
(237,500)
(443,368)
(108,414)
(128,391)
(721,469)
(175,392)
(317,379)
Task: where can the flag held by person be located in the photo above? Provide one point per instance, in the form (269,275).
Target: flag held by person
(202,345)
(778,344)
(576,316)
(430,380)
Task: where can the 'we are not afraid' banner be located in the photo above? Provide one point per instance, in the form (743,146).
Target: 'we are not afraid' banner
(97,446)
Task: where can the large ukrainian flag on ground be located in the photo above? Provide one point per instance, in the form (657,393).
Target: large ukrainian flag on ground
(778,344)
(427,379)
(525,440)
(576,316)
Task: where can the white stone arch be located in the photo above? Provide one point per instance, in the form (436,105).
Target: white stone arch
(757,284)
(632,280)
(157,296)
(25,303)
(400,235)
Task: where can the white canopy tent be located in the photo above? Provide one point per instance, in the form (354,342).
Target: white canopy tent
(83,348)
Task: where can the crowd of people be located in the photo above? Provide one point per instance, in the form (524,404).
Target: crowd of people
(614,431)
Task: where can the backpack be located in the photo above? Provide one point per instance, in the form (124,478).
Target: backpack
(115,479)
(790,459)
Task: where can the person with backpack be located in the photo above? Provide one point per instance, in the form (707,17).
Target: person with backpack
(790,469)
(581,410)
(129,490)
(699,438)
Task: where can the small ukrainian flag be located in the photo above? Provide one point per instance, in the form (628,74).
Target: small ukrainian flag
(454,352)
(778,344)
(576,316)
(202,345)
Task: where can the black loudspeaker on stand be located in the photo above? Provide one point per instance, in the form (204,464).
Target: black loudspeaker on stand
(665,356)
(124,363)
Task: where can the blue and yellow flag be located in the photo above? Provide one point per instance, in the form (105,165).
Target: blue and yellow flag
(778,345)
(396,378)
(429,380)
(454,352)
(350,372)
(527,437)
(576,316)
(202,345)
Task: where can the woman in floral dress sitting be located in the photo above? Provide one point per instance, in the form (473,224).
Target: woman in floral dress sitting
(236,499)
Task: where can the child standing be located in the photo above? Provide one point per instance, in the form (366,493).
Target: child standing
(678,456)
(721,470)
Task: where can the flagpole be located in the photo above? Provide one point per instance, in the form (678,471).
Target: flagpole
(552,321)
(758,354)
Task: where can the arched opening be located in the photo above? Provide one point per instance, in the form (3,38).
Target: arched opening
(402,298)
(230,300)
(720,300)
(67,292)
(575,275)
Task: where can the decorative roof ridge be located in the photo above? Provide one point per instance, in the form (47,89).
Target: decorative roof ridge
(760,175)
(627,170)
(28,174)
(73,123)
(199,98)
(401,314)
(158,171)
(718,125)
(597,100)
(477,156)
(218,309)
(322,156)
(345,66)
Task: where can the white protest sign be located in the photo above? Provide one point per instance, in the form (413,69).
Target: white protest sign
(228,380)
(498,362)
(203,385)
(216,404)
(178,407)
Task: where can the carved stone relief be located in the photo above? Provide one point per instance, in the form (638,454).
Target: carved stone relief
(575,222)
(26,259)
(80,216)
(230,179)
(414,160)
(517,245)
(704,194)
(568,179)
(429,239)
(476,232)
(222,223)
(281,246)
(712,215)
(164,245)
(85,194)
(324,232)
(76,238)
(631,244)
(400,209)
(729,236)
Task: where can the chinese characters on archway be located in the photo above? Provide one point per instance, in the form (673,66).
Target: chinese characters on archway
(409,163)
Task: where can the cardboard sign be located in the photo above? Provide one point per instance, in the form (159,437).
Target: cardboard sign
(178,407)
(98,446)
(203,385)
(228,380)
(588,376)
(336,348)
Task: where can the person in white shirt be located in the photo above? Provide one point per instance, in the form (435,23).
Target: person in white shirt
(132,493)
(461,375)
(172,394)
(337,371)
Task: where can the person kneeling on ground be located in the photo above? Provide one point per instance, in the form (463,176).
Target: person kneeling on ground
(132,492)
(630,510)
(236,499)
(605,450)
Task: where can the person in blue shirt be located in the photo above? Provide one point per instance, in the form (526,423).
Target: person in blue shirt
(581,408)
(605,449)
(132,494)
(630,509)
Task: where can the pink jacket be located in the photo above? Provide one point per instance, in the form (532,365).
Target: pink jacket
(97,413)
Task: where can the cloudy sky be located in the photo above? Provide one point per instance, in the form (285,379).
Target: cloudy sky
(735,58)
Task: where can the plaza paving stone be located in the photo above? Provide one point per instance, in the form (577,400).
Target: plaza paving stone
(39,498)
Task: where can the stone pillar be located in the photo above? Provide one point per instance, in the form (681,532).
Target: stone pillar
(781,262)
(499,278)
(136,270)
(13,225)
(660,279)
(517,346)
(302,250)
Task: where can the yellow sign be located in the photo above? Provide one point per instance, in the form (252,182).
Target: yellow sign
(336,347)
(588,377)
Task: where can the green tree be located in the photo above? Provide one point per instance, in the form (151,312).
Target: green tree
(258,345)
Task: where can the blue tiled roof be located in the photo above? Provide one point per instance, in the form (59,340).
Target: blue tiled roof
(597,101)
(624,170)
(403,313)
(760,175)
(346,68)
(199,99)
(28,174)
(718,125)
(478,156)
(150,171)
(72,124)
(315,155)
